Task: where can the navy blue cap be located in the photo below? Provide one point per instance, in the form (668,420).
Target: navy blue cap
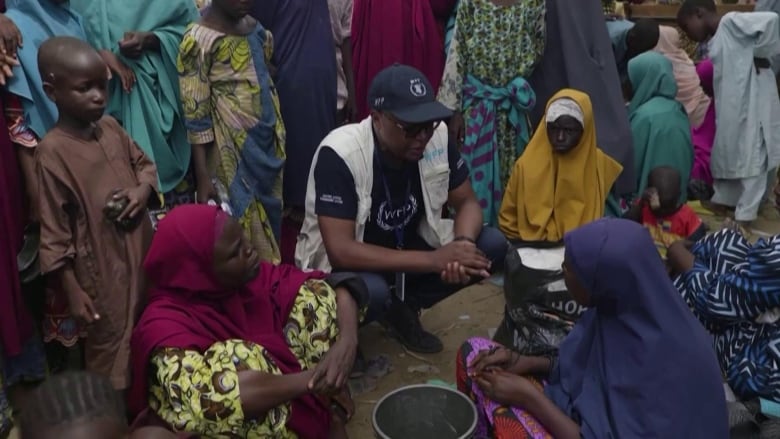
(407,94)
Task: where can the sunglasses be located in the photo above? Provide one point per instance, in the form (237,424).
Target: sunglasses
(413,130)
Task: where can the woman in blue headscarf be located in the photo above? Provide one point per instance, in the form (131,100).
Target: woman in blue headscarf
(637,364)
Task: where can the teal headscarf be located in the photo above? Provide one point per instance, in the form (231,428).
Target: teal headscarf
(38,20)
(662,133)
(151,113)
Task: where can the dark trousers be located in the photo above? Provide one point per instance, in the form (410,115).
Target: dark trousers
(423,290)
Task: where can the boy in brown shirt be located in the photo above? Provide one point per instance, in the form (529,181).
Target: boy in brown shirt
(95,184)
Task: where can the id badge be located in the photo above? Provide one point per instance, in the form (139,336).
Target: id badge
(400,286)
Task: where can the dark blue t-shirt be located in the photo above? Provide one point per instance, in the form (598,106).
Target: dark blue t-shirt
(337,197)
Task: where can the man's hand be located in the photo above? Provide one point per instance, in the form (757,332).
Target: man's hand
(470,261)
(331,374)
(137,198)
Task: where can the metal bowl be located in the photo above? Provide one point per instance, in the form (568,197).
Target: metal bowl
(424,411)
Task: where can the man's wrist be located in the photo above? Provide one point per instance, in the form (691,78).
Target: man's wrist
(465,238)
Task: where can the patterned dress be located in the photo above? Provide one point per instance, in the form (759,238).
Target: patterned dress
(198,392)
(734,290)
(230,100)
(494,420)
(494,50)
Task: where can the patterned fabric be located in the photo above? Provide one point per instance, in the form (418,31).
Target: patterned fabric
(494,420)
(20,132)
(485,145)
(495,48)
(198,392)
(732,287)
(449,30)
(229,99)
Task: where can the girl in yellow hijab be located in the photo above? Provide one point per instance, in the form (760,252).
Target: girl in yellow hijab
(562,180)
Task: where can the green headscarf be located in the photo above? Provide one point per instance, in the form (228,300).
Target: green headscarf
(660,126)
(151,112)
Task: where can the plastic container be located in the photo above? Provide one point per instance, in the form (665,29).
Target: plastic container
(424,411)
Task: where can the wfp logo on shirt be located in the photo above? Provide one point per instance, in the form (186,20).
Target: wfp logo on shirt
(389,220)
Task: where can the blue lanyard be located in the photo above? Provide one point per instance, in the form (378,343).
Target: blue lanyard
(399,229)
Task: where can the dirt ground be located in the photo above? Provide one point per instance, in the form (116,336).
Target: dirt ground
(471,312)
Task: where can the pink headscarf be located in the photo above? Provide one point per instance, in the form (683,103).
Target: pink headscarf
(704,135)
(689,91)
(189,309)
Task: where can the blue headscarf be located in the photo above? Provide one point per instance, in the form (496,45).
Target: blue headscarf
(38,20)
(638,363)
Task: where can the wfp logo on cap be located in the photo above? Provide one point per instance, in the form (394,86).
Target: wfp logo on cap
(417,88)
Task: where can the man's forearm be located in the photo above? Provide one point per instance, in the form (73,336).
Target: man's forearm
(359,256)
(468,220)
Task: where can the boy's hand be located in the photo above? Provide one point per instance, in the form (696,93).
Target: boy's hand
(206,191)
(81,307)
(350,109)
(137,198)
(126,74)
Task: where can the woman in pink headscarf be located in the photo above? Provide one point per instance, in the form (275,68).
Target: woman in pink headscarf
(703,137)
(231,346)
(409,32)
(689,89)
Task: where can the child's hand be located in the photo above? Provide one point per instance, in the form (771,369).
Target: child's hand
(206,191)
(679,256)
(10,37)
(81,307)
(126,74)
(137,198)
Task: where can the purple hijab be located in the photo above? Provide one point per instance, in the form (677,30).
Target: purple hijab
(704,135)
(638,363)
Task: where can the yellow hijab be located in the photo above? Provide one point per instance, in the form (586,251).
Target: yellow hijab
(549,194)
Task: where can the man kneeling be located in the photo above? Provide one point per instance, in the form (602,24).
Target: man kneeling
(376,199)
